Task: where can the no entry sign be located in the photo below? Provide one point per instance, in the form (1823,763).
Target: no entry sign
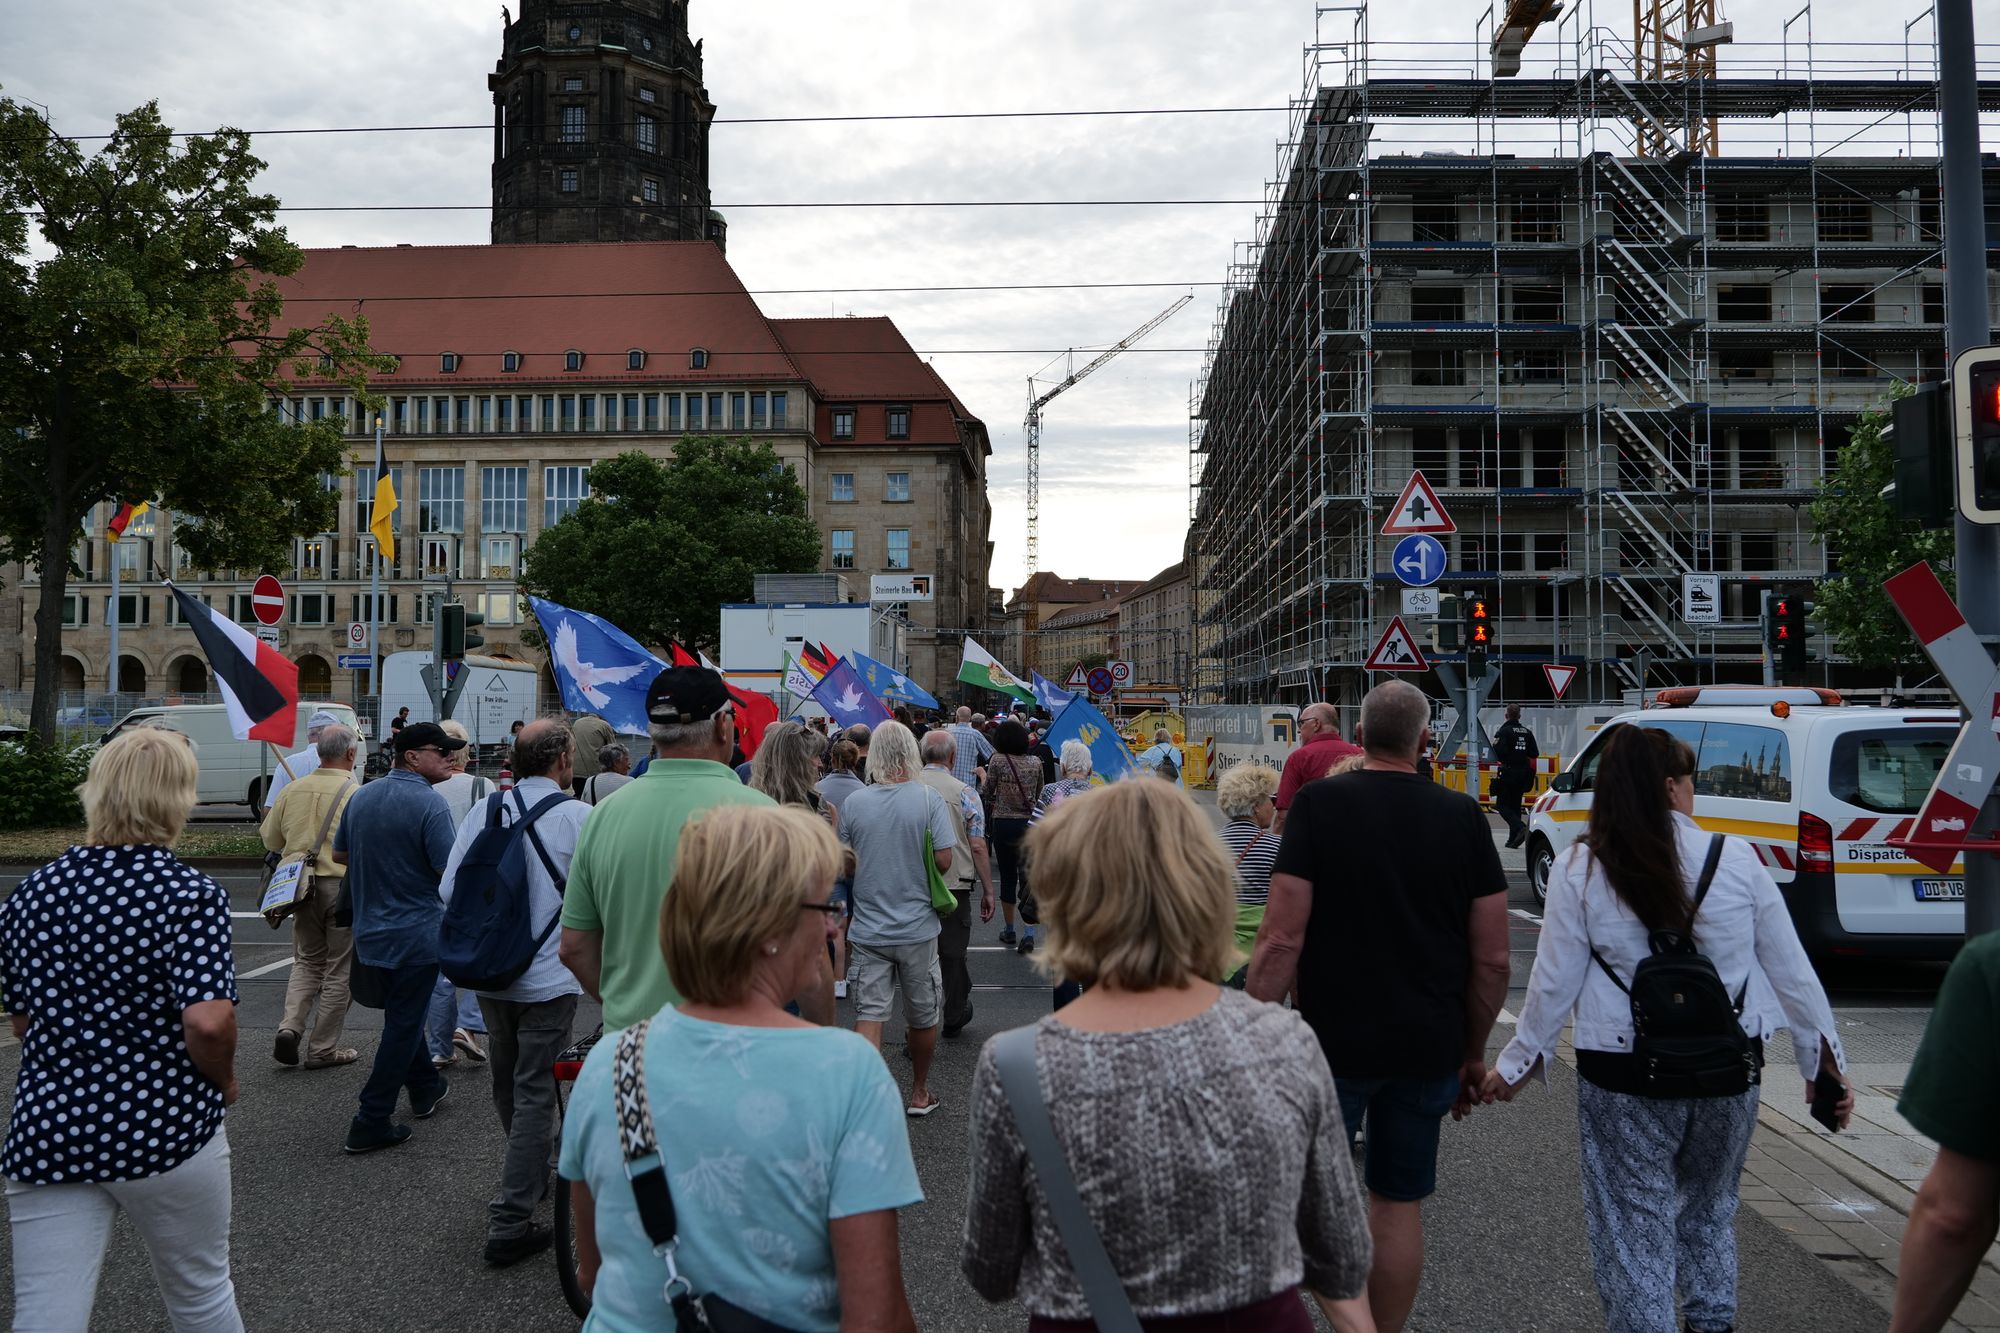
(267,599)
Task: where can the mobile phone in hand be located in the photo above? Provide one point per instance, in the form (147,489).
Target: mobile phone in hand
(1827,1093)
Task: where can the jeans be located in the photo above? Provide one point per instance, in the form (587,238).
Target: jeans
(60,1233)
(450,1008)
(401,1061)
(526,1039)
(324,954)
(1008,839)
(954,937)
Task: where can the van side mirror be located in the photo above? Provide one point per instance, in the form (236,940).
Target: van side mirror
(1563,782)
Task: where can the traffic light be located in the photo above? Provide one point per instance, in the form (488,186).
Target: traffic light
(1976,379)
(1444,630)
(1478,613)
(1788,632)
(454,629)
(1920,429)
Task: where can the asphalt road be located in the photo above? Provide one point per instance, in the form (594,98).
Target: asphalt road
(392,1241)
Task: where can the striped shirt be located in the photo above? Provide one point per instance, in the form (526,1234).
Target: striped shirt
(1255,851)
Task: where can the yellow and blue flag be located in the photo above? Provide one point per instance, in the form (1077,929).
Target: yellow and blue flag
(1080,721)
(892,685)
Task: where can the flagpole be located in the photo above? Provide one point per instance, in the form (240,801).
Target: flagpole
(375,594)
(112,680)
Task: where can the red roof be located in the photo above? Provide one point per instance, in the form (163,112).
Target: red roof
(664,298)
(826,350)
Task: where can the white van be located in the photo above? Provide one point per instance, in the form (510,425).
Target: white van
(1817,790)
(233,772)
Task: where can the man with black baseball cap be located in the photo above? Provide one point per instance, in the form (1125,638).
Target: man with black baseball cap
(395,838)
(625,855)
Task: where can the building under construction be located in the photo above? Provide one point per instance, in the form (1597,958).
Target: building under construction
(1621,312)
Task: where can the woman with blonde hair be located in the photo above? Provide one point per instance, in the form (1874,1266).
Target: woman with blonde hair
(1247,795)
(741,1110)
(1199,1128)
(117,965)
(786,769)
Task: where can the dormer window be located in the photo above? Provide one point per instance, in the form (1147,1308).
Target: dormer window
(572,360)
(325,361)
(698,359)
(510,362)
(635,360)
(448,363)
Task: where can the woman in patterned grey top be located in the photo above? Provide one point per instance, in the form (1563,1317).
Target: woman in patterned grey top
(1202,1126)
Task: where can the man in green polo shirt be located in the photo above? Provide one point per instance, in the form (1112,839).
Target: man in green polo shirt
(625,855)
(1953,1095)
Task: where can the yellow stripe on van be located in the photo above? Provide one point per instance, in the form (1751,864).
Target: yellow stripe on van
(1750,828)
(1894,868)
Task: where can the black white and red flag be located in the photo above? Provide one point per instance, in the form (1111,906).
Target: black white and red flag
(260,685)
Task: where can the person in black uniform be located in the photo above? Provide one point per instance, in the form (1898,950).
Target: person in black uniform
(1514,750)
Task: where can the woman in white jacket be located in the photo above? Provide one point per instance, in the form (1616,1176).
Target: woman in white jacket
(1660,1172)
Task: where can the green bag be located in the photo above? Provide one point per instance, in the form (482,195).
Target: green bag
(943,901)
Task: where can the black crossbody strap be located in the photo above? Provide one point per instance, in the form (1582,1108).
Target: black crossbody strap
(1708,866)
(1014,1056)
(644,1166)
(527,822)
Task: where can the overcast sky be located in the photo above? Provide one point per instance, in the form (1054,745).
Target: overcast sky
(1115,465)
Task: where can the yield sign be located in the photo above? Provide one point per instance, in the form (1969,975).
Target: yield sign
(1944,823)
(1417,509)
(1559,678)
(1396,650)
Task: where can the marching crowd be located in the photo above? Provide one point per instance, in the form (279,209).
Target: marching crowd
(1236,1099)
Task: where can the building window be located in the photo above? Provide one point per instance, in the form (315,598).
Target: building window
(548,412)
(1846,220)
(843,548)
(759,411)
(311,559)
(1541,366)
(1743,302)
(1847,303)
(503,499)
(649,190)
(694,411)
(1437,303)
(76,611)
(441,499)
(1434,218)
(310,608)
(566,180)
(843,423)
(715,411)
(738,412)
(440,556)
(242,609)
(510,362)
(899,548)
(448,363)
(1745,363)
(364,608)
(133,608)
(899,421)
(500,608)
(648,95)
(572,360)
(778,420)
(364,495)
(1742,221)
(500,555)
(1537,303)
(1437,366)
(897,489)
(588,406)
(843,487)
(1844,363)
(1431,455)
(563,489)
(572,84)
(1536,221)
(653,411)
(573,123)
(698,359)
(649,134)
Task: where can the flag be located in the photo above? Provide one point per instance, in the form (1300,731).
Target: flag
(893,686)
(682,657)
(1052,697)
(797,681)
(813,663)
(260,685)
(847,698)
(754,712)
(382,513)
(123,519)
(598,667)
(1080,721)
(982,669)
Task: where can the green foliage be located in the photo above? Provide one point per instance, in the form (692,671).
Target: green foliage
(139,344)
(1870,543)
(660,546)
(38,784)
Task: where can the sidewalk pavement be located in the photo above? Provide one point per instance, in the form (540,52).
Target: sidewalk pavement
(1845,1197)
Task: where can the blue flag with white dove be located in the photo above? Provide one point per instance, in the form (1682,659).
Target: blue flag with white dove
(599,668)
(1051,697)
(1080,721)
(847,698)
(890,684)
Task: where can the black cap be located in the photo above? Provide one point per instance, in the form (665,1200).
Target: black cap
(418,735)
(684,694)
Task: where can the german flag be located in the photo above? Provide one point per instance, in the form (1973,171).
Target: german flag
(123,518)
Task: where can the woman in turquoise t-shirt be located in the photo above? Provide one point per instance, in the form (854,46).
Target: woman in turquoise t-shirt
(784,1143)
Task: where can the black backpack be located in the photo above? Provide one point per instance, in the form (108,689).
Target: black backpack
(487,939)
(1168,769)
(1687,1034)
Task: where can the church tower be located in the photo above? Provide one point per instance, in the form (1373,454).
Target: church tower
(600,125)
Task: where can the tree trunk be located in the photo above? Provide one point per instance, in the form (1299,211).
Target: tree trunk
(58,535)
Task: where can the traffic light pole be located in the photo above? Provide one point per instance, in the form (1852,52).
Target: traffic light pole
(1977,565)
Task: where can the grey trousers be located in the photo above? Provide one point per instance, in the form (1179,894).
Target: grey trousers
(1659,1197)
(954,938)
(523,1041)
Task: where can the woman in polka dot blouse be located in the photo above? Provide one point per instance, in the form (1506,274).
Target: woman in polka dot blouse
(116,964)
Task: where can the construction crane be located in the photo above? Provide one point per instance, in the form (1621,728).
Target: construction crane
(1033,428)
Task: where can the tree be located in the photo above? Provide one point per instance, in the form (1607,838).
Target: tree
(660,545)
(138,356)
(1870,543)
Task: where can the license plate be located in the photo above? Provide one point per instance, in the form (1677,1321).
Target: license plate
(1939,890)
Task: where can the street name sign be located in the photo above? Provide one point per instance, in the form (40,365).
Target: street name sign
(354,661)
(1417,509)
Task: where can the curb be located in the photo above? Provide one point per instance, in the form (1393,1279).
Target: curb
(198,862)
(1885,1189)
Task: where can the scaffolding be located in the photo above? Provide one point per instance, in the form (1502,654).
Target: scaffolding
(1618,358)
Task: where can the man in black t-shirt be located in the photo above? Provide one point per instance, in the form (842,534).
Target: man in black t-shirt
(1388,912)
(1514,750)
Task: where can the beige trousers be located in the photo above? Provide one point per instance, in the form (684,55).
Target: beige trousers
(322,953)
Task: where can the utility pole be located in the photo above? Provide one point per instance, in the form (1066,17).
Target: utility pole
(1977,564)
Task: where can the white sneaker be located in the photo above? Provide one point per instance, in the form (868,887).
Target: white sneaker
(840,989)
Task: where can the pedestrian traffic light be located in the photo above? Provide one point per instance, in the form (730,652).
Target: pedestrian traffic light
(1788,630)
(454,630)
(1478,614)
(1920,431)
(1976,393)
(1444,630)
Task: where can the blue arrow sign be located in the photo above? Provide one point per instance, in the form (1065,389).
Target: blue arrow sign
(1419,560)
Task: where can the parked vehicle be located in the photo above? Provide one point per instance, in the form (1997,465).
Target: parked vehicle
(232,772)
(1817,790)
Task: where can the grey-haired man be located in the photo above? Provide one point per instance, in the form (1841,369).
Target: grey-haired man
(299,763)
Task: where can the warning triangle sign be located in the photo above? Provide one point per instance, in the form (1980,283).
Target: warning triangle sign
(1559,678)
(1417,509)
(1077,678)
(1396,650)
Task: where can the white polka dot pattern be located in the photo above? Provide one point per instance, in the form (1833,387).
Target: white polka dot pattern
(104,947)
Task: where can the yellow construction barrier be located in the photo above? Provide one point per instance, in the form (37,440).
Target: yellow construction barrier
(1451,773)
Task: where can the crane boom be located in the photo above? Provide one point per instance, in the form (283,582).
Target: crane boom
(1033,425)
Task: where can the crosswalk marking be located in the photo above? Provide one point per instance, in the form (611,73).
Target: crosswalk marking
(268,967)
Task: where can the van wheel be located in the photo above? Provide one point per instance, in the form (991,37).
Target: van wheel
(258,789)
(1541,860)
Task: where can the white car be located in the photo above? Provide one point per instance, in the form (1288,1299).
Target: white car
(232,772)
(1817,791)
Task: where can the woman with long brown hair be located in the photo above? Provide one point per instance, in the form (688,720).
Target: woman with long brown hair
(1664,1133)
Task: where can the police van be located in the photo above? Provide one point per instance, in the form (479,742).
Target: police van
(1818,790)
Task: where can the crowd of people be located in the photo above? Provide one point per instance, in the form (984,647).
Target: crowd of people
(1236,1101)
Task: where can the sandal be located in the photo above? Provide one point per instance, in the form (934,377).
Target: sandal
(916,1112)
(346,1055)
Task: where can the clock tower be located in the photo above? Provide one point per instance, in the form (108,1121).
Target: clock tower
(600,125)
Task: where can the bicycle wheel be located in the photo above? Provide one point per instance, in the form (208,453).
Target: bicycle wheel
(565,1247)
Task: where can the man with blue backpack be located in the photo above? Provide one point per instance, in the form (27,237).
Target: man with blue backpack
(502,890)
